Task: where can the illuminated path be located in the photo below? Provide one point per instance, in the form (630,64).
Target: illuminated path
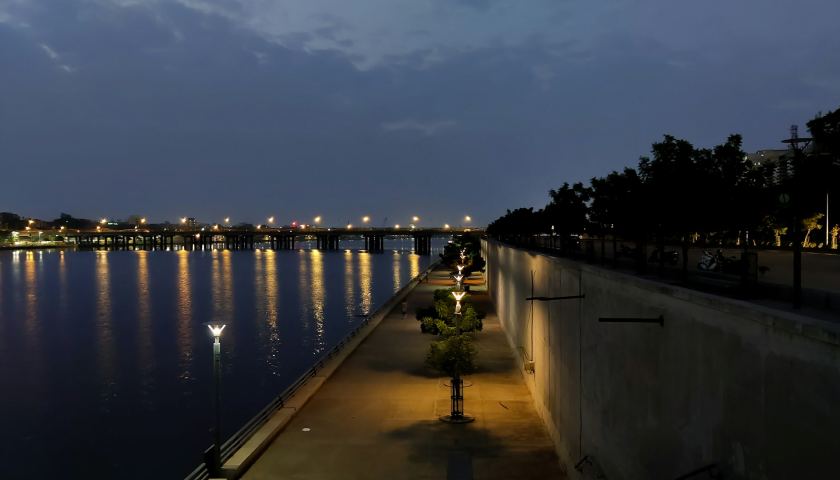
(377,416)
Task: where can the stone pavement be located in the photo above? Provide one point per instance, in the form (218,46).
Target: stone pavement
(377,416)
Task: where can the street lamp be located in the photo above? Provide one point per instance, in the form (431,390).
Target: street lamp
(415,219)
(458,296)
(365,219)
(317,220)
(798,144)
(458,278)
(468,219)
(460,269)
(270,220)
(216,329)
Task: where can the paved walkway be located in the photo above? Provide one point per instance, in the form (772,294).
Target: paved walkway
(377,416)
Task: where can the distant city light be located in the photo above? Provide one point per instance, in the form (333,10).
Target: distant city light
(468,218)
(365,219)
(318,219)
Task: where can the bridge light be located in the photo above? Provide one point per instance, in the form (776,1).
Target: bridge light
(468,219)
(270,220)
(397,226)
(103,221)
(317,220)
(415,219)
(446,226)
(183,220)
(349,226)
(143,220)
(365,219)
(227,219)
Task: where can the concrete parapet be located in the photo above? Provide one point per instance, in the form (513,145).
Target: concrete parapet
(746,388)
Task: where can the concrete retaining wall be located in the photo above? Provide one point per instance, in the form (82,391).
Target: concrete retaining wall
(753,390)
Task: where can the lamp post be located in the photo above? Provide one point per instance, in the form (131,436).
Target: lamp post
(458,296)
(456,414)
(216,329)
(797,143)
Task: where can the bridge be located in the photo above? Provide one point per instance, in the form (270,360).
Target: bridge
(232,238)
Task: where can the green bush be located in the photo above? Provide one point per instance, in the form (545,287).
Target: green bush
(452,356)
(429,325)
(444,309)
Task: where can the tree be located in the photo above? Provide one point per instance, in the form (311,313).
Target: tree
(567,212)
(453,356)
(810,224)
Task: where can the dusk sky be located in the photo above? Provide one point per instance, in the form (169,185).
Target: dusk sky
(387,108)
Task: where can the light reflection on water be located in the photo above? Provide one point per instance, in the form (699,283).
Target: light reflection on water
(184,315)
(318,299)
(111,345)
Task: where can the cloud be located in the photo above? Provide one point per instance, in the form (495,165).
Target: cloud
(426,128)
(376,33)
(50,52)
(55,57)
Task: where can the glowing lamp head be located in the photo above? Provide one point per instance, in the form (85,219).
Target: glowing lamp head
(458,278)
(103,221)
(446,226)
(458,295)
(468,218)
(31,221)
(183,220)
(317,219)
(216,329)
(415,219)
(143,220)
(365,219)
(460,269)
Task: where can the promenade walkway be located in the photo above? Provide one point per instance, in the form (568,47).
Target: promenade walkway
(377,416)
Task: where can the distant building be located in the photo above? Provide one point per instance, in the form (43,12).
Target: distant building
(780,161)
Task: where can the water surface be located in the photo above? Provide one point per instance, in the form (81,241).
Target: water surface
(105,365)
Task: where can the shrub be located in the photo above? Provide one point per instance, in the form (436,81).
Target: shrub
(429,325)
(452,356)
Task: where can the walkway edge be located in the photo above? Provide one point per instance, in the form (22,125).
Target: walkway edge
(243,458)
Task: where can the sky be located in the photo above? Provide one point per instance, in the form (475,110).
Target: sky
(387,108)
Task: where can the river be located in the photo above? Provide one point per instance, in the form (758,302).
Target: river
(105,365)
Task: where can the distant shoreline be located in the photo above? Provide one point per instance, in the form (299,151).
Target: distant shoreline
(50,246)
